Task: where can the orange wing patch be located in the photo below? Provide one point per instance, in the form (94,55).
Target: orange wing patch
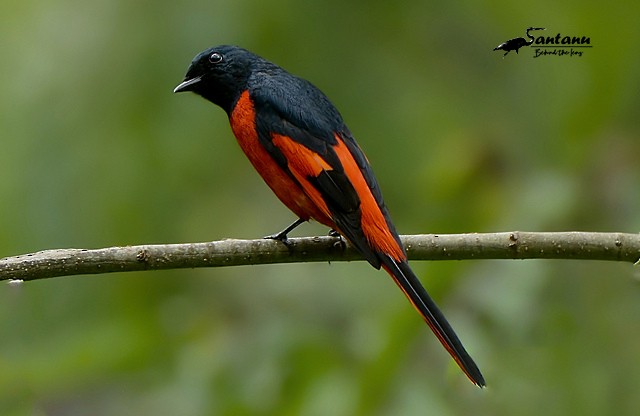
(373,223)
(304,163)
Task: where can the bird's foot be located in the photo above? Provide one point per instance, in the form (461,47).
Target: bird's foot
(340,243)
(282,235)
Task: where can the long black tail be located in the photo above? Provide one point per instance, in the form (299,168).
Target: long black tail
(420,299)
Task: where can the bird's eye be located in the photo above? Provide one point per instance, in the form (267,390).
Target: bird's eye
(215,58)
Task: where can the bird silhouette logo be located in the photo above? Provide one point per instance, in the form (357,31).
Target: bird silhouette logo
(517,43)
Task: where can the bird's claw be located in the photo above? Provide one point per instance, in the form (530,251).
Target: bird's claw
(282,237)
(340,243)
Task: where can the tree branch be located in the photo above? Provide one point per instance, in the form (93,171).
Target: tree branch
(508,245)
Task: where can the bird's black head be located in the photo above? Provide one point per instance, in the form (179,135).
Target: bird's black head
(220,74)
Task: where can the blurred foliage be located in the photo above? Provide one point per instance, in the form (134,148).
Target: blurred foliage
(97,151)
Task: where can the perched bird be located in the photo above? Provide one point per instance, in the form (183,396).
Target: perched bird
(517,43)
(300,145)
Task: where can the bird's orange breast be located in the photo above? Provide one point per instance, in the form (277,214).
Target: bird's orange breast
(243,125)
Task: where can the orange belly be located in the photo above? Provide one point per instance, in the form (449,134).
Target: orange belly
(286,189)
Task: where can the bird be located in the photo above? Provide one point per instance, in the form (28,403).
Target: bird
(517,43)
(300,145)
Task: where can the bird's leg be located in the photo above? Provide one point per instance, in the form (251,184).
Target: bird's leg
(282,235)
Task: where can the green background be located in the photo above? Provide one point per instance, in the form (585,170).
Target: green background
(96,151)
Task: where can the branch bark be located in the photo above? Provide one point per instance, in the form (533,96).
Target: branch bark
(507,245)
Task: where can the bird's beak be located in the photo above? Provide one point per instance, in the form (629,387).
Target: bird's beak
(187,84)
